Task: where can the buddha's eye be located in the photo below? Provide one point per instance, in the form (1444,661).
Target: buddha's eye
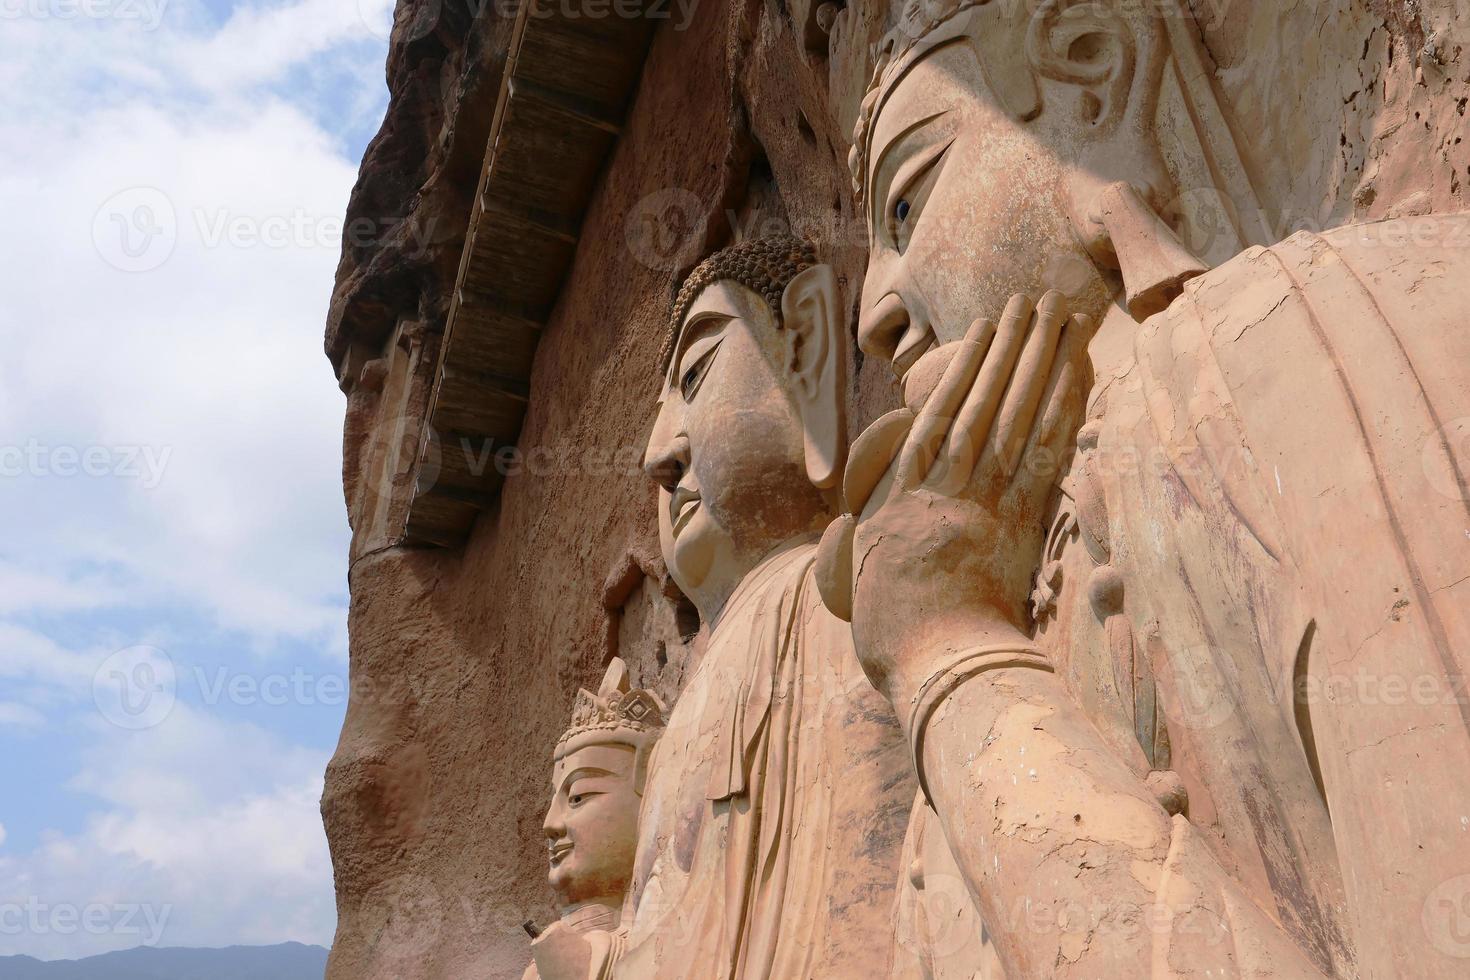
(577,799)
(899,224)
(694,374)
(911,188)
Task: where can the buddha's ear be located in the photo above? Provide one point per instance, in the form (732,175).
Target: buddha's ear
(816,360)
(1106,59)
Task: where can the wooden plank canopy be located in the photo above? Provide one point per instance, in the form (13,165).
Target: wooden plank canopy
(568,80)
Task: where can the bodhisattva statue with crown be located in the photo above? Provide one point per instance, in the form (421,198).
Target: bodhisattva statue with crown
(772,817)
(598,774)
(1113,656)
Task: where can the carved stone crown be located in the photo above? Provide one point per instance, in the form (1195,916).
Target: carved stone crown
(613,714)
(926,24)
(918,20)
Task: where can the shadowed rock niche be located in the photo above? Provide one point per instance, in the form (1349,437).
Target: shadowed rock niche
(653,627)
(1015,450)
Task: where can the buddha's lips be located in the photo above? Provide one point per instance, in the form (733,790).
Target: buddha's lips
(559,850)
(681,507)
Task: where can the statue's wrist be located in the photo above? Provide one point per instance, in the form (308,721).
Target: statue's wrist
(925,682)
(929,652)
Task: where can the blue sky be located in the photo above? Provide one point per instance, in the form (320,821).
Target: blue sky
(173,175)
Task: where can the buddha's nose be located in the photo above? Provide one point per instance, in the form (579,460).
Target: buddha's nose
(666,460)
(555,824)
(882,327)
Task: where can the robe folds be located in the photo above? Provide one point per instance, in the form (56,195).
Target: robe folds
(774,813)
(1280,481)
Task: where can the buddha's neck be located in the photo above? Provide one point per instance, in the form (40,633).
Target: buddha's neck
(592,916)
(751,581)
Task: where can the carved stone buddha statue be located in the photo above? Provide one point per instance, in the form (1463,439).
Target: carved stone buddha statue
(1137,562)
(597,781)
(772,819)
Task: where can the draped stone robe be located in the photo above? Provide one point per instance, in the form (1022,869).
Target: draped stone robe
(776,800)
(1296,543)
(1276,475)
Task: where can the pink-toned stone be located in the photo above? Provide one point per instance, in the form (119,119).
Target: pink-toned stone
(464,661)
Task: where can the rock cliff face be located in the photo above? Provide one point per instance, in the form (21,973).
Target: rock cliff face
(464,660)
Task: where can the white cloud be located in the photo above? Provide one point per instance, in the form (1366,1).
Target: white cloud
(258,44)
(28,655)
(203,375)
(33,590)
(170,444)
(20,715)
(209,362)
(202,853)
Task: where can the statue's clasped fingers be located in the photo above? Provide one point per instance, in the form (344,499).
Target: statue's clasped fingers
(1009,436)
(1064,401)
(982,416)
(936,417)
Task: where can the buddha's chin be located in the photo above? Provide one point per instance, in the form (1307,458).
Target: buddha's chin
(561,876)
(693,554)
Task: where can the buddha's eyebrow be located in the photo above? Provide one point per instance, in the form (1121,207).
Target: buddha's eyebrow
(700,325)
(892,148)
(584,772)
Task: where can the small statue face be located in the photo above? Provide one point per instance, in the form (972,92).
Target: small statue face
(592,826)
(727,447)
(965,208)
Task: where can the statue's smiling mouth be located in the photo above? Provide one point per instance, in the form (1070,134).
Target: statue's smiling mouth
(558,850)
(682,506)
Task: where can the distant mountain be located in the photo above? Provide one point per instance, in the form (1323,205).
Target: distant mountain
(287,961)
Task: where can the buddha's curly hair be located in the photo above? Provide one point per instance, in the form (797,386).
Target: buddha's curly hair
(763,265)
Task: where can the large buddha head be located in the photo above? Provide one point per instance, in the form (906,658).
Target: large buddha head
(597,778)
(750,439)
(1009,146)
